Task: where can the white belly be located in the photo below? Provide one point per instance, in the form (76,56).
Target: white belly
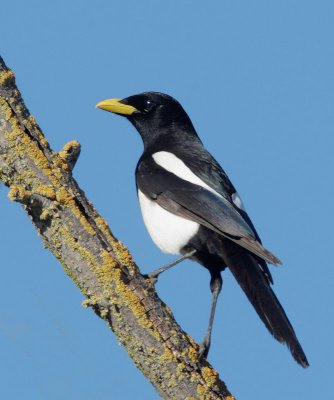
(168,231)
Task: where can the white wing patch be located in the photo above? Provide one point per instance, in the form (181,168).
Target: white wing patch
(173,164)
(168,231)
(237,201)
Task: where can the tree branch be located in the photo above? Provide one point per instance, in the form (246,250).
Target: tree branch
(103,269)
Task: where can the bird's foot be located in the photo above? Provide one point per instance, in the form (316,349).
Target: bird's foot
(152,277)
(204,348)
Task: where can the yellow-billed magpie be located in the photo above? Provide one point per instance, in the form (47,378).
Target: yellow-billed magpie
(190,207)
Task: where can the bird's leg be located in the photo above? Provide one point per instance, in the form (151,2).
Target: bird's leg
(216,284)
(154,274)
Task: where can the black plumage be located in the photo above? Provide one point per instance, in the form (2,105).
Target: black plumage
(190,207)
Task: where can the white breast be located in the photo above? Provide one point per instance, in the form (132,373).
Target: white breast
(168,231)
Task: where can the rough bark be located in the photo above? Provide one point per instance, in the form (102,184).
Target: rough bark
(103,269)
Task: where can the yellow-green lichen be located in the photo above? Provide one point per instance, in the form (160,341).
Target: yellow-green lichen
(60,162)
(7,111)
(66,236)
(167,355)
(123,255)
(103,225)
(104,273)
(201,392)
(18,193)
(91,301)
(107,273)
(69,149)
(19,108)
(65,197)
(6,77)
(211,381)
(210,376)
(46,191)
(171,380)
(133,302)
(30,148)
(31,124)
(191,353)
(108,261)
(191,341)
(94,300)
(104,312)
(180,369)
(47,214)
(25,147)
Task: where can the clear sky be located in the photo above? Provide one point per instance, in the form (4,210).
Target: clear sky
(256,78)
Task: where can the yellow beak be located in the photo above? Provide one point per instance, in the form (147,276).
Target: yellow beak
(114,105)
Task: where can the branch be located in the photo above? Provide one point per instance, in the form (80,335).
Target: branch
(103,269)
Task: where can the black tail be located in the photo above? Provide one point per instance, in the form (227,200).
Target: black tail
(256,286)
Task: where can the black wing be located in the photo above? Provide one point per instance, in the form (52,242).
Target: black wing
(201,162)
(198,204)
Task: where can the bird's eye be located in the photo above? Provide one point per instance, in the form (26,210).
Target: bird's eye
(149,105)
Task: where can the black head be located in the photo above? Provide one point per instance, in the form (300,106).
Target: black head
(155,115)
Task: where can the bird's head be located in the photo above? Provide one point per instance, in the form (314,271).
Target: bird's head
(154,114)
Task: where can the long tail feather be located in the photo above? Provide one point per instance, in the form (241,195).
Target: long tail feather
(254,283)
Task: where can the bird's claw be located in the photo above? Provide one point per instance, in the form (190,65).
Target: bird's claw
(152,277)
(204,349)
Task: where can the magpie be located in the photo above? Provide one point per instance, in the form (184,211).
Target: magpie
(191,208)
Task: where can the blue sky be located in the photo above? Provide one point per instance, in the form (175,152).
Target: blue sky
(257,80)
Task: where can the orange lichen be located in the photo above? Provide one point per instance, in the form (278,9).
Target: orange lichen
(63,196)
(46,191)
(210,376)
